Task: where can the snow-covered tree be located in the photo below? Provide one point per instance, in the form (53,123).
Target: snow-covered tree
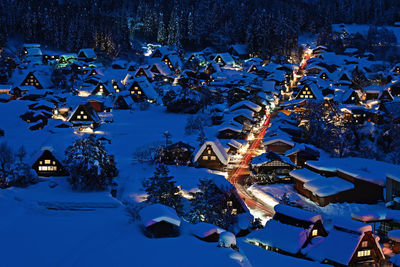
(209,204)
(6,161)
(89,165)
(21,175)
(161,188)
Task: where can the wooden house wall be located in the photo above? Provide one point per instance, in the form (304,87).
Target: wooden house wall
(214,164)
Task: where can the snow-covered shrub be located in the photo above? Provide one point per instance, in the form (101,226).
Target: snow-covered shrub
(21,175)
(227,240)
(89,165)
(6,161)
(144,105)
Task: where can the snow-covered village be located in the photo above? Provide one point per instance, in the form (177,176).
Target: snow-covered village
(199,133)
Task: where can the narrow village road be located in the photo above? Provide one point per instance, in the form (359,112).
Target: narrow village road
(239,175)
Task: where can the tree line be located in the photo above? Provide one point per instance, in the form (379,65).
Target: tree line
(269,27)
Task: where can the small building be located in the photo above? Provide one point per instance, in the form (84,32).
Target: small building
(84,115)
(392,187)
(239,50)
(246,104)
(231,132)
(48,165)
(160,221)
(177,154)
(300,218)
(290,230)
(87,54)
(350,243)
(206,232)
(172,61)
(212,68)
(367,176)
(309,91)
(36,79)
(123,100)
(270,162)
(224,59)
(278,145)
(322,190)
(301,153)
(66,59)
(140,90)
(102,89)
(212,155)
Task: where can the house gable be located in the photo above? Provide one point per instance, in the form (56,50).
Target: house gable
(31,79)
(48,165)
(305,93)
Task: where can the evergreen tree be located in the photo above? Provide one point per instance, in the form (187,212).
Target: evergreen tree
(161,188)
(89,165)
(6,161)
(209,204)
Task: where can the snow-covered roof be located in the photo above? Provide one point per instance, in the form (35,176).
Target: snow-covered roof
(394,235)
(297,213)
(87,52)
(226,57)
(33,52)
(251,105)
(339,246)
(241,49)
(372,171)
(303,147)
(274,139)
(218,150)
(156,213)
(324,187)
(373,89)
(269,157)
(304,175)
(203,229)
(282,236)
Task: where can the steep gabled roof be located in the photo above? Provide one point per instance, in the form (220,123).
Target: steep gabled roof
(87,52)
(218,150)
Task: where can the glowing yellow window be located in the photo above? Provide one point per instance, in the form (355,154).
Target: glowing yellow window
(47,161)
(205,157)
(314,232)
(213,158)
(139,93)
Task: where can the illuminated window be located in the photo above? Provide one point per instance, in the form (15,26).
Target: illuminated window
(229,203)
(139,92)
(40,162)
(117,90)
(234,211)
(136,88)
(82,112)
(364,244)
(213,158)
(84,117)
(54,163)
(78,117)
(115,87)
(364,253)
(205,157)
(314,232)
(47,161)
(209,152)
